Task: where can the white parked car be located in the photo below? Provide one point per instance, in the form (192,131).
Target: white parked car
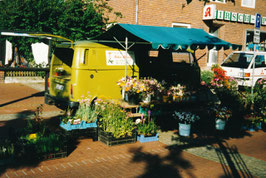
(239,65)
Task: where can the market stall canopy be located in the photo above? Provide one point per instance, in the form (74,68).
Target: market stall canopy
(165,37)
(35,35)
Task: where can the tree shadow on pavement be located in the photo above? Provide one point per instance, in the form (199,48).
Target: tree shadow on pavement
(9,132)
(38,94)
(231,161)
(228,156)
(162,166)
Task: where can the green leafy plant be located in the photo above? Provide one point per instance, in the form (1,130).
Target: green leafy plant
(206,77)
(115,120)
(36,139)
(186,117)
(253,119)
(146,126)
(222,112)
(88,110)
(36,124)
(7,149)
(73,19)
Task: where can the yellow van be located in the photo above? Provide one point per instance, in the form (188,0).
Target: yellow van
(83,67)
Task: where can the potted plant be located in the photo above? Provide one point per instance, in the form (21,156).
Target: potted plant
(132,88)
(37,141)
(252,122)
(115,126)
(222,114)
(146,129)
(177,91)
(85,117)
(151,88)
(185,120)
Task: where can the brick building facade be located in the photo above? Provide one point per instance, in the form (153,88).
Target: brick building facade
(233,20)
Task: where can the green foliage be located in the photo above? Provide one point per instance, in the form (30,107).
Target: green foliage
(114,120)
(256,103)
(146,126)
(230,98)
(37,139)
(50,143)
(36,124)
(6,149)
(73,19)
(207,76)
(87,110)
(253,120)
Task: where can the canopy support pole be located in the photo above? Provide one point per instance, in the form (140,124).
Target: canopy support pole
(126,49)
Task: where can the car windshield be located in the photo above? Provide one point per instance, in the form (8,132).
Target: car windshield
(239,60)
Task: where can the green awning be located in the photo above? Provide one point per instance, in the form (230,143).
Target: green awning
(165,37)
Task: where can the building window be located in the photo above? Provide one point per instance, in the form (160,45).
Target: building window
(184,25)
(249,45)
(213,53)
(220,1)
(248,3)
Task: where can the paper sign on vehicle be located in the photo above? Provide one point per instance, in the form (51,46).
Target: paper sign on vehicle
(117,58)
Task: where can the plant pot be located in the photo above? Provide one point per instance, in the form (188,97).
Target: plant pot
(165,99)
(220,124)
(83,125)
(143,138)
(184,129)
(147,99)
(132,99)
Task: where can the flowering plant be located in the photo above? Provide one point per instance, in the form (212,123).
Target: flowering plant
(114,120)
(177,90)
(152,86)
(146,126)
(222,112)
(253,119)
(186,117)
(131,85)
(220,80)
(88,110)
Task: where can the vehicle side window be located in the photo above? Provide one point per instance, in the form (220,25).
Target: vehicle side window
(84,57)
(260,61)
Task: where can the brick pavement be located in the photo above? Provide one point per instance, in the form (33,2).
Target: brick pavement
(95,159)
(245,154)
(17,98)
(155,159)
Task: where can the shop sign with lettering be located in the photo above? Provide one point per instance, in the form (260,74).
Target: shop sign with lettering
(211,13)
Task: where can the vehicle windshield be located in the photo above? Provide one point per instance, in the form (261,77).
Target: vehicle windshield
(239,60)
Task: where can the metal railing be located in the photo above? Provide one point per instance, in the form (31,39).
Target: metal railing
(24,72)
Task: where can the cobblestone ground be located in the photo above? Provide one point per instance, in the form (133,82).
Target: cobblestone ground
(247,155)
